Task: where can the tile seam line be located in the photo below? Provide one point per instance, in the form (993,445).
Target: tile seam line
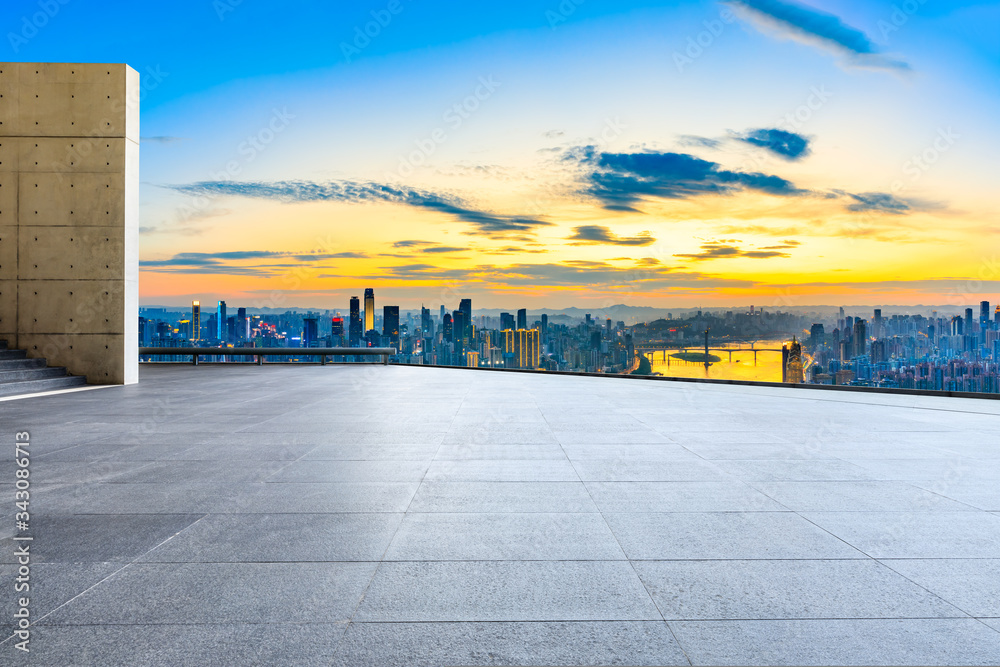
(123,567)
(631,565)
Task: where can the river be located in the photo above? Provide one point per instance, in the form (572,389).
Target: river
(742,366)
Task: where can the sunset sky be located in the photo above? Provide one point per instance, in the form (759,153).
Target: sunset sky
(553,154)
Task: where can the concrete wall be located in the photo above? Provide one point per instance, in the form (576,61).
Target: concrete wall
(69,208)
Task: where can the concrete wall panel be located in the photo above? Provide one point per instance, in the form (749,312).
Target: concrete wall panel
(71,200)
(71,253)
(70,307)
(69,180)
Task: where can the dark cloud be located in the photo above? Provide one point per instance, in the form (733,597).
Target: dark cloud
(488,224)
(696,141)
(442,249)
(410,244)
(601,235)
(878,202)
(224,262)
(788,145)
(621,180)
(722,251)
(819,29)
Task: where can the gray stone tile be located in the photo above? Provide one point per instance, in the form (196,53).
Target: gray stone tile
(742,452)
(214,644)
(502,497)
(972,585)
(504,470)
(839,642)
(96,538)
(351,471)
(49,471)
(680,497)
(371,453)
(610,437)
(856,497)
(272,538)
(575,643)
(504,537)
(939,468)
(173,472)
(784,589)
(200,593)
(103,453)
(189,498)
(472,438)
(618,470)
(765,470)
(312,498)
(50,585)
(630,452)
(983,494)
(246,452)
(915,534)
(724,535)
(506,591)
(499,452)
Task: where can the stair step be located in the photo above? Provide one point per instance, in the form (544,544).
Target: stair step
(35,386)
(31,374)
(20,364)
(13,354)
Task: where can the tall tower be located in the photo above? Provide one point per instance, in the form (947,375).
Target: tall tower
(369,309)
(522,318)
(465,305)
(390,323)
(220,319)
(196,320)
(242,324)
(354,333)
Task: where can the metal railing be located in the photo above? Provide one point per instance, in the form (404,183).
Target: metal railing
(260,352)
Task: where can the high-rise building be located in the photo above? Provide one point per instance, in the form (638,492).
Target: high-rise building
(390,324)
(545,326)
(792,358)
(196,320)
(507,322)
(221,332)
(860,337)
(984,313)
(369,309)
(447,333)
(337,331)
(817,336)
(465,305)
(522,318)
(354,325)
(526,349)
(957,326)
(426,326)
(996,315)
(242,324)
(968,320)
(310,332)
(459,328)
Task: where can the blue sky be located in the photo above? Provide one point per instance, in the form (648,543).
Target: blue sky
(659,89)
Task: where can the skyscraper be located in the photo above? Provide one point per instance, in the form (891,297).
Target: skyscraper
(390,324)
(220,319)
(196,320)
(526,348)
(466,307)
(984,313)
(545,325)
(817,336)
(522,318)
(426,327)
(354,326)
(447,333)
(968,320)
(459,328)
(369,309)
(506,322)
(310,332)
(860,337)
(242,324)
(337,331)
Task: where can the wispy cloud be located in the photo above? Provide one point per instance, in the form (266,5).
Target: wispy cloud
(601,235)
(878,202)
(230,262)
(723,251)
(820,29)
(789,145)
(485,223)
(622,180)
(161,140)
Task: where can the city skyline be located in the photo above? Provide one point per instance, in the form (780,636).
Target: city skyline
(668,154)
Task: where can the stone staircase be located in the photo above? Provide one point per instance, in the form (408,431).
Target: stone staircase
(20,375)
